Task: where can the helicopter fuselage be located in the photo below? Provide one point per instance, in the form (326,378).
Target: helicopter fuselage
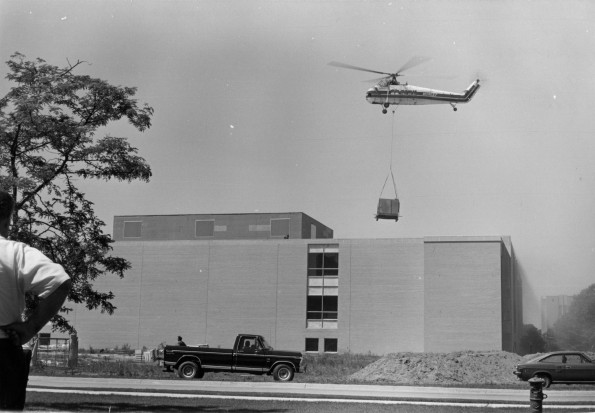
(404,94)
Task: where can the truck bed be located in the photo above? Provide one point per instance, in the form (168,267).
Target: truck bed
(220,358)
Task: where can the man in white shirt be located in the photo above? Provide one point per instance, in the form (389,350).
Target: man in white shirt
(23,269)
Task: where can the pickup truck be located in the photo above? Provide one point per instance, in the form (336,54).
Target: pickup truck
(250,354)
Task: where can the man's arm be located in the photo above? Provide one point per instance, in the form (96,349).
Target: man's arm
(22,332)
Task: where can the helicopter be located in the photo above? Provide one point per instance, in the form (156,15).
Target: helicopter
(389,91)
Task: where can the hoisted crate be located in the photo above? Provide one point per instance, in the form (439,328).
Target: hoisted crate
(388,209)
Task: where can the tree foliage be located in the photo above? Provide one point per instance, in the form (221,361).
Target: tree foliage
(575,330)
(532,340)
(48,144)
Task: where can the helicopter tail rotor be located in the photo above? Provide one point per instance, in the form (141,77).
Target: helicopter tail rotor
(481,77)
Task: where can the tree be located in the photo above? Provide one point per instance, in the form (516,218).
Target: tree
(48,144)
(531,341)
(575,330)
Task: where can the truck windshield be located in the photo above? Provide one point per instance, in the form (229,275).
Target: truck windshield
(266,345)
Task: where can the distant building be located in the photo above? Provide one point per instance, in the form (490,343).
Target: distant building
(552,309)
(218,227)
(209,277)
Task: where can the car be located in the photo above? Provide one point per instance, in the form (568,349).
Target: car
(567,367)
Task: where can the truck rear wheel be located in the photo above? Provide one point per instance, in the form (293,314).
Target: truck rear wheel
(188,370)
(283,372)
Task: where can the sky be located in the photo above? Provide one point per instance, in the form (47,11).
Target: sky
(249,116)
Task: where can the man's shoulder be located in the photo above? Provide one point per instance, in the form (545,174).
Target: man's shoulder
(9,246)
(10,242)
(13,243)
(11,251)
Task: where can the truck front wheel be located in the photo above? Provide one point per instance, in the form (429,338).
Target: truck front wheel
(283,372)
(188,370)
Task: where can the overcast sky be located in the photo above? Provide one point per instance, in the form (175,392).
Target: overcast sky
(249,117)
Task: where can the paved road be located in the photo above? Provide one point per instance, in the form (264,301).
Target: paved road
(314,389)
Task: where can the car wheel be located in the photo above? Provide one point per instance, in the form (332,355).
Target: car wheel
(188,370)
(283,372)
(547,381)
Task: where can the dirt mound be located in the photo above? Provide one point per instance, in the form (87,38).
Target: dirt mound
(464,367)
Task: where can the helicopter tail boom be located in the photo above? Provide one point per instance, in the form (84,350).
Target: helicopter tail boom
(469,92)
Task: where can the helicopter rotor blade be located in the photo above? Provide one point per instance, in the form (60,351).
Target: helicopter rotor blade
(415,61)
(431,76)
(346,66)
(377,79)
(409,75)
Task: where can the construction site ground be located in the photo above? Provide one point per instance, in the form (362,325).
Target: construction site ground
(456,368)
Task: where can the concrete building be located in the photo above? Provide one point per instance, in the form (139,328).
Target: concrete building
(552,309)
(285,277)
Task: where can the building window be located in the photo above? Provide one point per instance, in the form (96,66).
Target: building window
(312,345)
(44,339)
(322,306)
(205,228)
(132,229)
(323,260)
(280,227)
(330,345)
(312,231)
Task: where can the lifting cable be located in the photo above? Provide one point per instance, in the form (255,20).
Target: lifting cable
(392,142)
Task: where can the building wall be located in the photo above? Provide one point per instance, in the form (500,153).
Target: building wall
(100,330)
(395,295)
(291,296)
(242,291)
(384,298)
(320,230)
(172,288)
(463,302)
(512,312)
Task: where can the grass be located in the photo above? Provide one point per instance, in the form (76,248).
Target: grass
(328,368)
